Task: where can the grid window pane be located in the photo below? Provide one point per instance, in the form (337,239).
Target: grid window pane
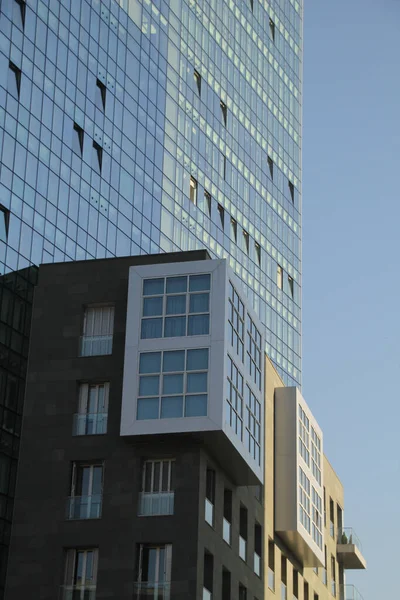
(173,384)
(151,328)
(199,325)
(175,326)
(176,305)
(175,285)
(171,407)
(196,405)
(147,408)
(197,359)
(152,287)
(152,306)
(149,385)
(198,283)
(150,362)
(196,382)
(199,303)
(174,361)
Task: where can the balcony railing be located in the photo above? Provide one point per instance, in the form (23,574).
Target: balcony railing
(349,592)
(209,512)
(149,590)
(156,503)
(271,579)
(84,507)
(226,531)
(77,592)
(257,564)
(242,548)
(89,424)
(96,345)
(347,535)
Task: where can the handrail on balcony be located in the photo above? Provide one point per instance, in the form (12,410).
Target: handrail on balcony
(96,345)
(156,503)
(349,592)
(84,592)
(150,590)
(347,535)
(89,423)
(84,507)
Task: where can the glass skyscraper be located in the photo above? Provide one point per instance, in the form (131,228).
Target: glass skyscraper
(146,126)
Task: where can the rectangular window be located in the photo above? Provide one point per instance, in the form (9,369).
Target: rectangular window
(271,565)
(224,111)
(153,571)
(290,286)
(157,496)
(86,491)
(98,329)
(271,167)
(208,575)
(14,80)
(91,418)
(226,584)
(272,29)
(306,591)
(295,583)
(316,518)
(221,213)
(316,455)
(257,248)
(304,436)
(77,139)
(333,576)
(246,241)
(324,569)
(197,80)
(257,549)
(304,500)
(227,520)
(97,157)
(332,517)
(279,277)
(242,592)
(80,573)
(224,167)
(243,533)
(173,384)
(4,223)
(254,351)
(175,307)
(193,191)
(210,497)
(19,10)
(100,95)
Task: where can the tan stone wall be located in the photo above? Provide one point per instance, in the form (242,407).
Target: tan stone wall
(333,489)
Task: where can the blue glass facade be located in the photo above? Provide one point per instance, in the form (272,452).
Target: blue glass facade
(139,127)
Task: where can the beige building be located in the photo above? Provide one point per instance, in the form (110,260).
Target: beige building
(307,548)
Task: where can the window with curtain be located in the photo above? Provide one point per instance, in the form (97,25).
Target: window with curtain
(98,329)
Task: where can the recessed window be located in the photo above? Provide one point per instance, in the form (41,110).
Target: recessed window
(14,80)
(224,111)
(257,549)
(173,384)
(242,592)
(271,167)
(226,584)
(257,248)
(98,328)
(272,29)
(77,140)
(157,496)
(279,277)
(246,241)
(251,5)
(193,191)
(197,79)
(291,190)
(4,223)
(80,577)
(153,571)
(208,572)
(97,157)
(243,533)
(19,10)
(306,591)
(221,213)
(271,565)
(210,496)
(86,491)
(93,409)
(227,520)
(101,95)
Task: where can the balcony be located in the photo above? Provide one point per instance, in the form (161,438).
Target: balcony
(349,592)
(349,549)
(149,590)
(156,503)
(96,345)
(84,507)
(89,424)
(77,592)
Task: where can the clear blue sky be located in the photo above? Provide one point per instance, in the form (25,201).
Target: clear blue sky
(351,258)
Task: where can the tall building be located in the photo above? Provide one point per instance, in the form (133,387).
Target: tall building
(161,456)
(138,127)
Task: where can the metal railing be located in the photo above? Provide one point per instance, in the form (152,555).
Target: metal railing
(89,424)
(77,592)
(156,503)
(149,590)
(84,507)
(347,535)
(96,345)
(349,592)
